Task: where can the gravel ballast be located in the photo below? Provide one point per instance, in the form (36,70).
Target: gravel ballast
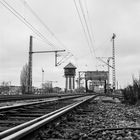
(83,123)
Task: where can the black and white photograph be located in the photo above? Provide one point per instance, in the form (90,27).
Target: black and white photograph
(69,69)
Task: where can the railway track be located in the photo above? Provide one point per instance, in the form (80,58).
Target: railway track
(89,122)
(6,101)
(21,123)
(22,117)
(4,98)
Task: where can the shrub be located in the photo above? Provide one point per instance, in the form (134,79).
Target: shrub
(132,92)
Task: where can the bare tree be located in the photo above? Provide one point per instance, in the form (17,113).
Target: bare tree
(24,79)
(4,87)
(47,87)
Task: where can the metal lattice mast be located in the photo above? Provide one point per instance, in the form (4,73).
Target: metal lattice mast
(30,66)
(108,60)
(113,62)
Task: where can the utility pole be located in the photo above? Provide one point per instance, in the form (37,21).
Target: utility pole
(30,62)
(30,66)
(113,63)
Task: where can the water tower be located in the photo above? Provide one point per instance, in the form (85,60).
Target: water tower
(69,71)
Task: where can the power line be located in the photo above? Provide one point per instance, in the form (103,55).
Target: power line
(81,22)
(49,30)
(84,30)
(23,20)
(91,29)
(85,27)
(88,31)
(66,57)
(42,22)
(88,17)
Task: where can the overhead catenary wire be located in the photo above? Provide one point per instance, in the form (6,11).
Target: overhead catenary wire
(24,21)
(87,27)
(81,22)
(47,28)
(90,25)
(91,29)
(43,23)
(66,57)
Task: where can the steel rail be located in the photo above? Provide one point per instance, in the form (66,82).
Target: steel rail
(22,133)
(26,124)
(34,96)
(6,108)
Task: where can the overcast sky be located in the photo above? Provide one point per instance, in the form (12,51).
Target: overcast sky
(106,17)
